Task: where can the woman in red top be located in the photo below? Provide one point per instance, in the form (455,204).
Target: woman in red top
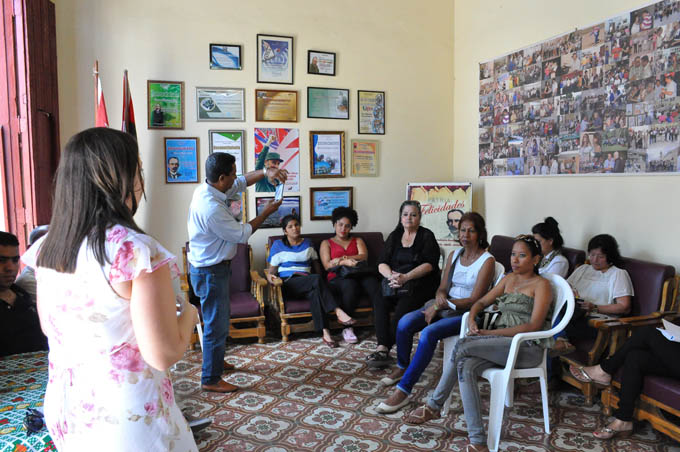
(344,250)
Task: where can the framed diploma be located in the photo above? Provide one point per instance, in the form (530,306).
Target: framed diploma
(371,112)
(275,105)
(324,199)
(220,104)
(327,103)
(364,160)
(327,154)
(274,59)
(225,56)
(229,141)
(320,63)
(165,103)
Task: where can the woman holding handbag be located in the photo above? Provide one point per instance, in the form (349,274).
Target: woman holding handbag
(467,277)
(409,265)
(344,257)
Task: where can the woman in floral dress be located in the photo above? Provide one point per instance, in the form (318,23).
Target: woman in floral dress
(107,306)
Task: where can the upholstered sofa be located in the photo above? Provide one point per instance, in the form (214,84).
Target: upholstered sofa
(501,248)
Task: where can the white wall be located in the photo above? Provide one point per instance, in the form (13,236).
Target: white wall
(398,46)
(641,212)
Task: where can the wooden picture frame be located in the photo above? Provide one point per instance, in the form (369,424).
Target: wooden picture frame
(322,201)
(273,105)
(326,154)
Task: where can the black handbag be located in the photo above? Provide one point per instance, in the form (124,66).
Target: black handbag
(360,270)
(391,292)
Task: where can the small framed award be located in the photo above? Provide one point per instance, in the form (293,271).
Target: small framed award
(371,112)
(165,103)
(181,160)
(364,160)
(320,63)
(323,200)
(274,59)
(327,103)
(327,154)
(275,105)
(225,56)
(220,104)
(229,141)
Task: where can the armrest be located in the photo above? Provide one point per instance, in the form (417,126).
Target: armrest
(277,283)
(259,280)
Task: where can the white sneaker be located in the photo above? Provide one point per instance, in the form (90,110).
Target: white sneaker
(349,336)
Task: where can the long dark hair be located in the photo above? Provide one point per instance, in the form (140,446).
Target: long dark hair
(533,245)
(95,177)
(550,230)
(284,222)
(609,247)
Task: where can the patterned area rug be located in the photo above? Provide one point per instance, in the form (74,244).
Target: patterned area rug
(304,396)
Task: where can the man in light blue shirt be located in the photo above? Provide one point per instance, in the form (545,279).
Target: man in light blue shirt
(214,233)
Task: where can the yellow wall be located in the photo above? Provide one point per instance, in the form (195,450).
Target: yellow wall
(640,211)
(397,46)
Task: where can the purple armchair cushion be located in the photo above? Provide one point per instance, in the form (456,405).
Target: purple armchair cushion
(240,270)
(574,257)
(297,306)
(662,389)
(501,248)
(243,304)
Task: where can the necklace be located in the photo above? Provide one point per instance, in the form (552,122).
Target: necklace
(465,260)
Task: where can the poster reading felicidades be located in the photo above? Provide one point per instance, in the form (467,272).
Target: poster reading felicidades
(285,143)
(602,99)
(442,204)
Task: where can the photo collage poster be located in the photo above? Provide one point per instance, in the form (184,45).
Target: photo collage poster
(599,100)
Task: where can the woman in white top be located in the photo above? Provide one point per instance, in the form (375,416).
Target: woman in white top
(548,235)
(471,277)
(601,287)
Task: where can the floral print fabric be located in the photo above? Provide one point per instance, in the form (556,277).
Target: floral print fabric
(101,394)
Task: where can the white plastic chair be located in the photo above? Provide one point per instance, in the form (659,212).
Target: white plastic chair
(450,342)
(502,379)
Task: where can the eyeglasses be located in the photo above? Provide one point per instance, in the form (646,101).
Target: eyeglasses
(4,259)
(34,421)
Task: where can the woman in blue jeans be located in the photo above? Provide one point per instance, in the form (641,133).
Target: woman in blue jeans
(467,277)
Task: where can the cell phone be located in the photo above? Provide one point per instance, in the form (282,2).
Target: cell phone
(279,192)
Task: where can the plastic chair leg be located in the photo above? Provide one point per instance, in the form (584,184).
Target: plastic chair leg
(446,366)
(199,329)
(510,393)
(544,398)
(496,409)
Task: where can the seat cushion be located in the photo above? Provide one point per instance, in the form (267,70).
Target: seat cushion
(243,304)
(583,346)
(662,389)
(296,306)
(501,248)
(647,278)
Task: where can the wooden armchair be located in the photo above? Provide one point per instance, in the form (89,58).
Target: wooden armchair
(659,401)
(655,290)
(293,313)
(246,295)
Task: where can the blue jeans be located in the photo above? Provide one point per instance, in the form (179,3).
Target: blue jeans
(431,334)
(211,285)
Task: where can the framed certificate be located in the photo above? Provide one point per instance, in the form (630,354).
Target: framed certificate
(289,206)
(220,104)
(327,154)
(320,63)
(165,103)
(371,112)
(327,103)
(229,141)
(364,161)
(274,59)
(323,200)
(225,56)
(275,105)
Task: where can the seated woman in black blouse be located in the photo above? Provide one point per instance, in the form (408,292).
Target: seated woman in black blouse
(409,265)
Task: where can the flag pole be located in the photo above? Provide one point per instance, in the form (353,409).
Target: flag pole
(95,73)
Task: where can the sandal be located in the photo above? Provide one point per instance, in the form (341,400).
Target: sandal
(350,322)
(420,415)
(581,375)
(610,433)
(476,448)
(378,359)
(331,343)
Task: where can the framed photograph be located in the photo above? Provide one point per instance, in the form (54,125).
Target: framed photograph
(371,112)
(327,154)
(364,159)
(181,160)
(165,104)
(322,201)
(320,63)
(275,59)
(220,104)
(327,103)
(225,56)
(275,105)
(229,141)
(290,206)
